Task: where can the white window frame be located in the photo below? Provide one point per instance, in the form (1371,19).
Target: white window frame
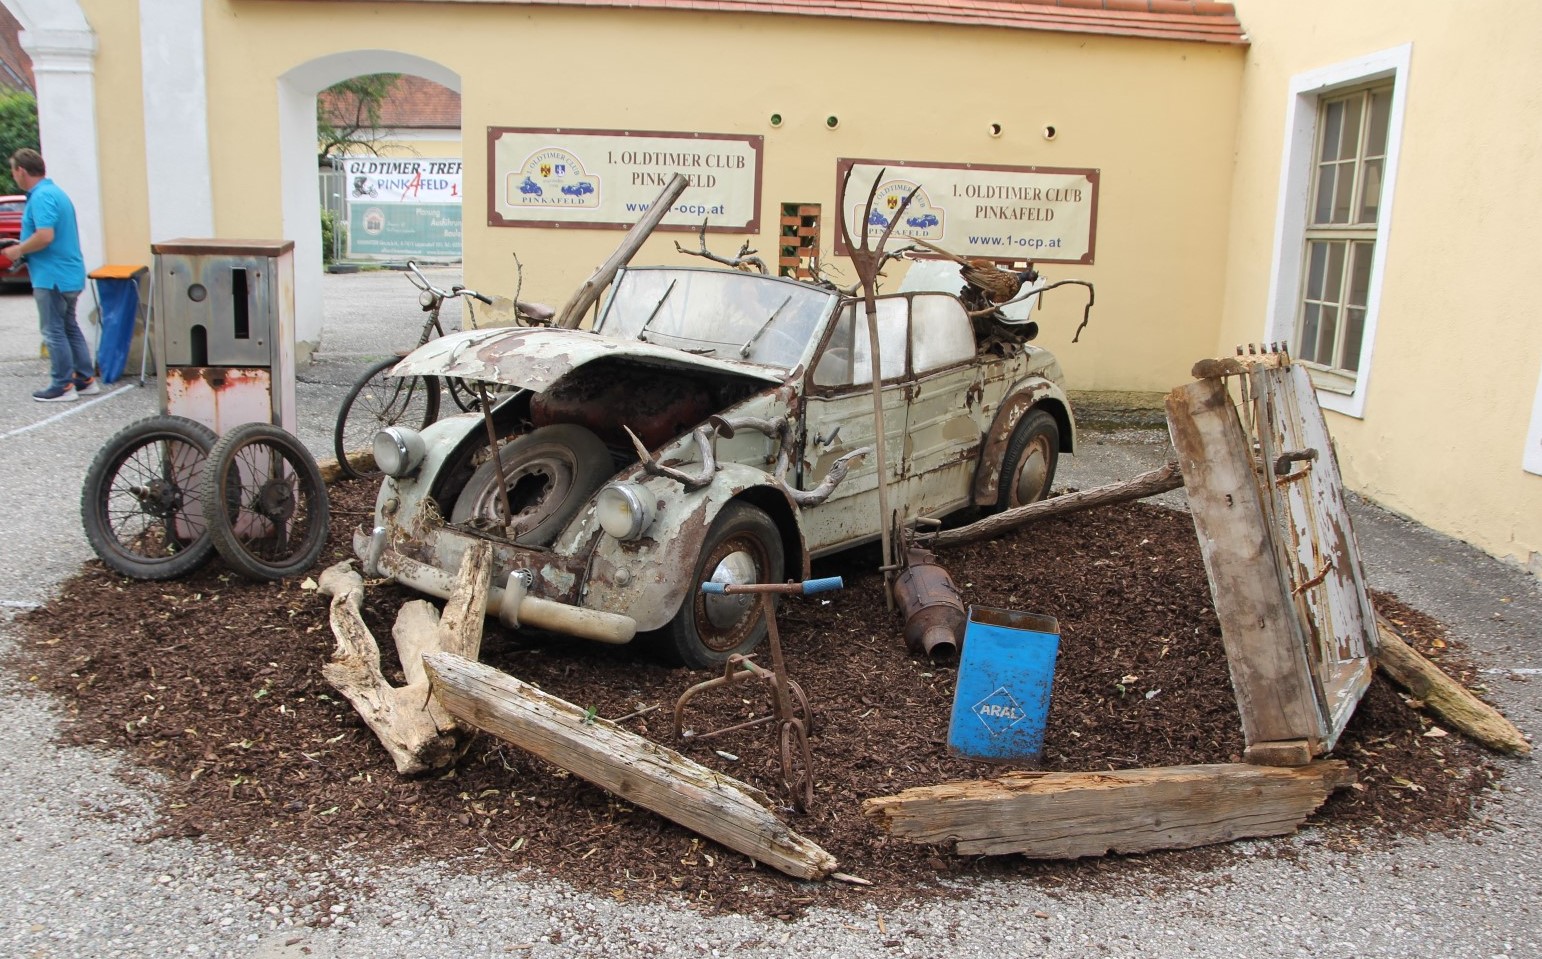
(1297,166)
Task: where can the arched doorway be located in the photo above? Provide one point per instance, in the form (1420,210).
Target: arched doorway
(301,202)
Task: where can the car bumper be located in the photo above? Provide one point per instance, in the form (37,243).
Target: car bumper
(510,601)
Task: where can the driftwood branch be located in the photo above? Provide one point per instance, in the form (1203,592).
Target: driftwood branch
(410,724)
(820,493)
(1444,696)
(1068,815)
(1150,483)
(690,482)
(636,769)
(743,261)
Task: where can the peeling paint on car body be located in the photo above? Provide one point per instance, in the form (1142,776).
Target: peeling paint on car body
(534,359)
(962,407)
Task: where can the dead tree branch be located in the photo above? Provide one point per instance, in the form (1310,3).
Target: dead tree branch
(743,261)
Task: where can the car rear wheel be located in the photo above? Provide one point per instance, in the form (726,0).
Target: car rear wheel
(550,474)
(742,546)
(1028,468)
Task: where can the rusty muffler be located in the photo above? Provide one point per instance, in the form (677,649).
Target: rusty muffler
(933,608)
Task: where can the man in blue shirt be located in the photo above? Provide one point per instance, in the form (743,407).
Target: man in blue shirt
(50,242)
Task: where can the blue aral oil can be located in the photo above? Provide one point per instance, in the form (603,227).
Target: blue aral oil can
(1001,703)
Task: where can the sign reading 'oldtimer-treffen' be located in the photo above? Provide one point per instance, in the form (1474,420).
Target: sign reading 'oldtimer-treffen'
(1045,214)
(609,178)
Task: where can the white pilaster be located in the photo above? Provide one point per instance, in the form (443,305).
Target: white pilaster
(175,87)
(63,63)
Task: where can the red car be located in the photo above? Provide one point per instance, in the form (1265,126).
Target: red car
(10,228)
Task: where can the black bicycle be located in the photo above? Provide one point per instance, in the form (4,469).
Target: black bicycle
(378,400)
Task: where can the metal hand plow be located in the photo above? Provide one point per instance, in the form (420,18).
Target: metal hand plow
(790,707)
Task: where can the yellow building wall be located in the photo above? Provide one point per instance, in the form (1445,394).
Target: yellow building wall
(120,130)
(1157,118)
(1459,347)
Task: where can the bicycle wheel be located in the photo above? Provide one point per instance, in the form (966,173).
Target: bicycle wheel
(265,501)
(464,395)
(142,506)
(377,401)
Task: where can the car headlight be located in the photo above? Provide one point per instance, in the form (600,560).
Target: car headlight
(625,510)
(399,450)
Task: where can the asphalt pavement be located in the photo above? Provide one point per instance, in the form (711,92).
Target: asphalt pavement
(78,876)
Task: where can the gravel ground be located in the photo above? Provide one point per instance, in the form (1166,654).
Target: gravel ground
(83,871)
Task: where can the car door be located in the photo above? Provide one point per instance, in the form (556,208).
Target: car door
(942,434)
(838,419)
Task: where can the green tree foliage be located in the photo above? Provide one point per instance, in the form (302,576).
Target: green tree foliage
(348,115)
(334,237)
(18,128)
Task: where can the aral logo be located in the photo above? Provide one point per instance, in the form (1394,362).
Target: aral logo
(999,711)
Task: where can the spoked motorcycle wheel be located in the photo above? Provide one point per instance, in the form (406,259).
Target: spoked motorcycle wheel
(142,503)
(266,502)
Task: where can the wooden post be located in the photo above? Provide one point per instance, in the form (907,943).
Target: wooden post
(1149,483)
(636,769)
(1444,696)
(1265,646)
(572,313)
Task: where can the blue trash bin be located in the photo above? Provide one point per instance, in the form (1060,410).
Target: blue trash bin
(1006,669)
(117,298)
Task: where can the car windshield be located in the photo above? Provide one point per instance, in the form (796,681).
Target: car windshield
(719,313)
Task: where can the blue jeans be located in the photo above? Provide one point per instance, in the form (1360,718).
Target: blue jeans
(68,355)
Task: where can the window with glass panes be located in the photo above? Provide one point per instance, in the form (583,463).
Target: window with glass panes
(1341,228)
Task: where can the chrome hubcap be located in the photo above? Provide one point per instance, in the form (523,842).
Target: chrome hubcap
(723,612)
(1032,472)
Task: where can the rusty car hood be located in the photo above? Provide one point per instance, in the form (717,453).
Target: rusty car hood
(534,359)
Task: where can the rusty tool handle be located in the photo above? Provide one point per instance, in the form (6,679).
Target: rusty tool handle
(806,588)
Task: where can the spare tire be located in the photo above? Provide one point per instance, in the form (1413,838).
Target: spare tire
(550,473)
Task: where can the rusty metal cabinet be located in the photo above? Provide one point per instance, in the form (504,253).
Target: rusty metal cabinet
(225,328)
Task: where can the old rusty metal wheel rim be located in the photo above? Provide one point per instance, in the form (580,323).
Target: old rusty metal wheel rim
(797,765)
(723,622)
(543,477)
(1031,477)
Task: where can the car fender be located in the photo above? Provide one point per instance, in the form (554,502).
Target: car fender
(648,578)
(1029,393)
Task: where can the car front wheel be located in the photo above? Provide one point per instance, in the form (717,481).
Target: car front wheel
(1028,468)
(742,546)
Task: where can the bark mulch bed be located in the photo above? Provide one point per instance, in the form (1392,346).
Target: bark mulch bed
(214,683)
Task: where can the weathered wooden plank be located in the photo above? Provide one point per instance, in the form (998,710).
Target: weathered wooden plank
(1445,697)
(1150,483)
(639,770)
(1294,752)
(1265,646)
(1069,815)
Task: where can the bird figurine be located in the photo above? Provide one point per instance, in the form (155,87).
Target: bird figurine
(997,285)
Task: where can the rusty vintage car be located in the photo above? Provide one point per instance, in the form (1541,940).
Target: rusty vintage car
(711,426)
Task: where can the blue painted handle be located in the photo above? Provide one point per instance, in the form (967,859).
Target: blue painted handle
(825,585)
(712,587)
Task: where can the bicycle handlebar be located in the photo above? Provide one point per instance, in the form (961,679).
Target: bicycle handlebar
(806,588)
(416,277)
